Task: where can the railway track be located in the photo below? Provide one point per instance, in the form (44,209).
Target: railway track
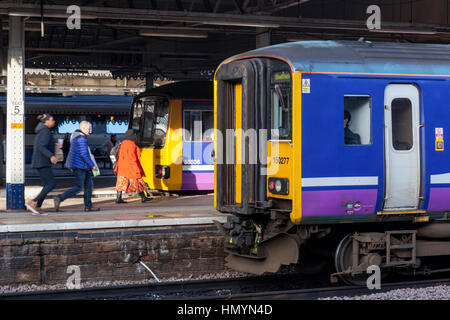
(192,289)
(316,293)
(274,287)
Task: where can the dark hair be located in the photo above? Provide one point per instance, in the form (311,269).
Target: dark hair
(44,117)
(130,135)
(347,115)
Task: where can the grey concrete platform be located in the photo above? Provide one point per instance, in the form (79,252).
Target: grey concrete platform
(185,210)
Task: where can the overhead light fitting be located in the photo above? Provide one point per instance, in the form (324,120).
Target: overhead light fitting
(173,33)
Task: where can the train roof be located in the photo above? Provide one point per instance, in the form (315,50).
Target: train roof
(194,90)
(359,57)
(77,104)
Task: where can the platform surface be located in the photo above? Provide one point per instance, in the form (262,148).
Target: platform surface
(172,211)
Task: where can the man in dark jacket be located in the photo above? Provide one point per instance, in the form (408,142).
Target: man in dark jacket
(349,136)
(42,160)
(80,161)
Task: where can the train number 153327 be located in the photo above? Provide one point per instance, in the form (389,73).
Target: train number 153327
(281,160)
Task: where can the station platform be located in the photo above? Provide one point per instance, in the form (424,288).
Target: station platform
(174,236)
(188,210)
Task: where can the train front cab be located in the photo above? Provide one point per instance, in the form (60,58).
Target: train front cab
(175,136)
(313,179)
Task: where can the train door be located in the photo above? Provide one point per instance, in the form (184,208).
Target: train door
(237,96)
(198,134)
(402,149)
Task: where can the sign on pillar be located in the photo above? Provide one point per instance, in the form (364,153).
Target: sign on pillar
(15,161)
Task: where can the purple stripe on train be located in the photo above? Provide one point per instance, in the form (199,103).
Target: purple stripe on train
(197,181)
(439,200)
(339,202)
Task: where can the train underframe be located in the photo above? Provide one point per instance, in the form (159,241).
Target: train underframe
(264,242)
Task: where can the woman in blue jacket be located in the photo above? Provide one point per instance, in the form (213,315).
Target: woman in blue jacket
(80,161)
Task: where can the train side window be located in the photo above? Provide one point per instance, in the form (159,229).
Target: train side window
(402,131)
(357,120)
(117,124)
(67,123)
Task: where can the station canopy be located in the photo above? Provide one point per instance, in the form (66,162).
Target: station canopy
(188,39)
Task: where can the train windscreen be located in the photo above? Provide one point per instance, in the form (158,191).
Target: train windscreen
(150,119)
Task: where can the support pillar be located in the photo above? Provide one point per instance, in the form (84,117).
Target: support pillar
(148,80)
(3,71)
(15,160)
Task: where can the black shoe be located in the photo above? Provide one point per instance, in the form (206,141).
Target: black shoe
(119,197)
(144,198)
(91,209)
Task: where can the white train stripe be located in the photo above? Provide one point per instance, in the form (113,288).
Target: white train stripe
(198,167)
(440,178)
(339,181)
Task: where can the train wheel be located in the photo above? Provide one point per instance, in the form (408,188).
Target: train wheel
(343,261)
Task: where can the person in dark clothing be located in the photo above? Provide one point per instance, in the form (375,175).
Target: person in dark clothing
(350,137)
(80,160)
(43,158)
(65,148)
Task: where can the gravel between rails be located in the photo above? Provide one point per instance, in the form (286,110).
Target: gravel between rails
(441,292)
(98,284)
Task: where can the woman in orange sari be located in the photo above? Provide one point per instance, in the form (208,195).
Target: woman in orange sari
(129,170)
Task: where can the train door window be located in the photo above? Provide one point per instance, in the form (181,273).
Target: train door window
(198,125)
(207,126)
(281,107)
(357,120)
(402,131)
(193,125)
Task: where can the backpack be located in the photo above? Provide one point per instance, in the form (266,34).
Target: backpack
(114,154)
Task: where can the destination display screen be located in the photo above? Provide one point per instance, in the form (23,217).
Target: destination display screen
(281,76)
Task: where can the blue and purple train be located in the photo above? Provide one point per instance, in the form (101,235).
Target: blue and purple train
(353,156)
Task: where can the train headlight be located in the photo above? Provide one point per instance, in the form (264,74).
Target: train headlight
(278,185)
